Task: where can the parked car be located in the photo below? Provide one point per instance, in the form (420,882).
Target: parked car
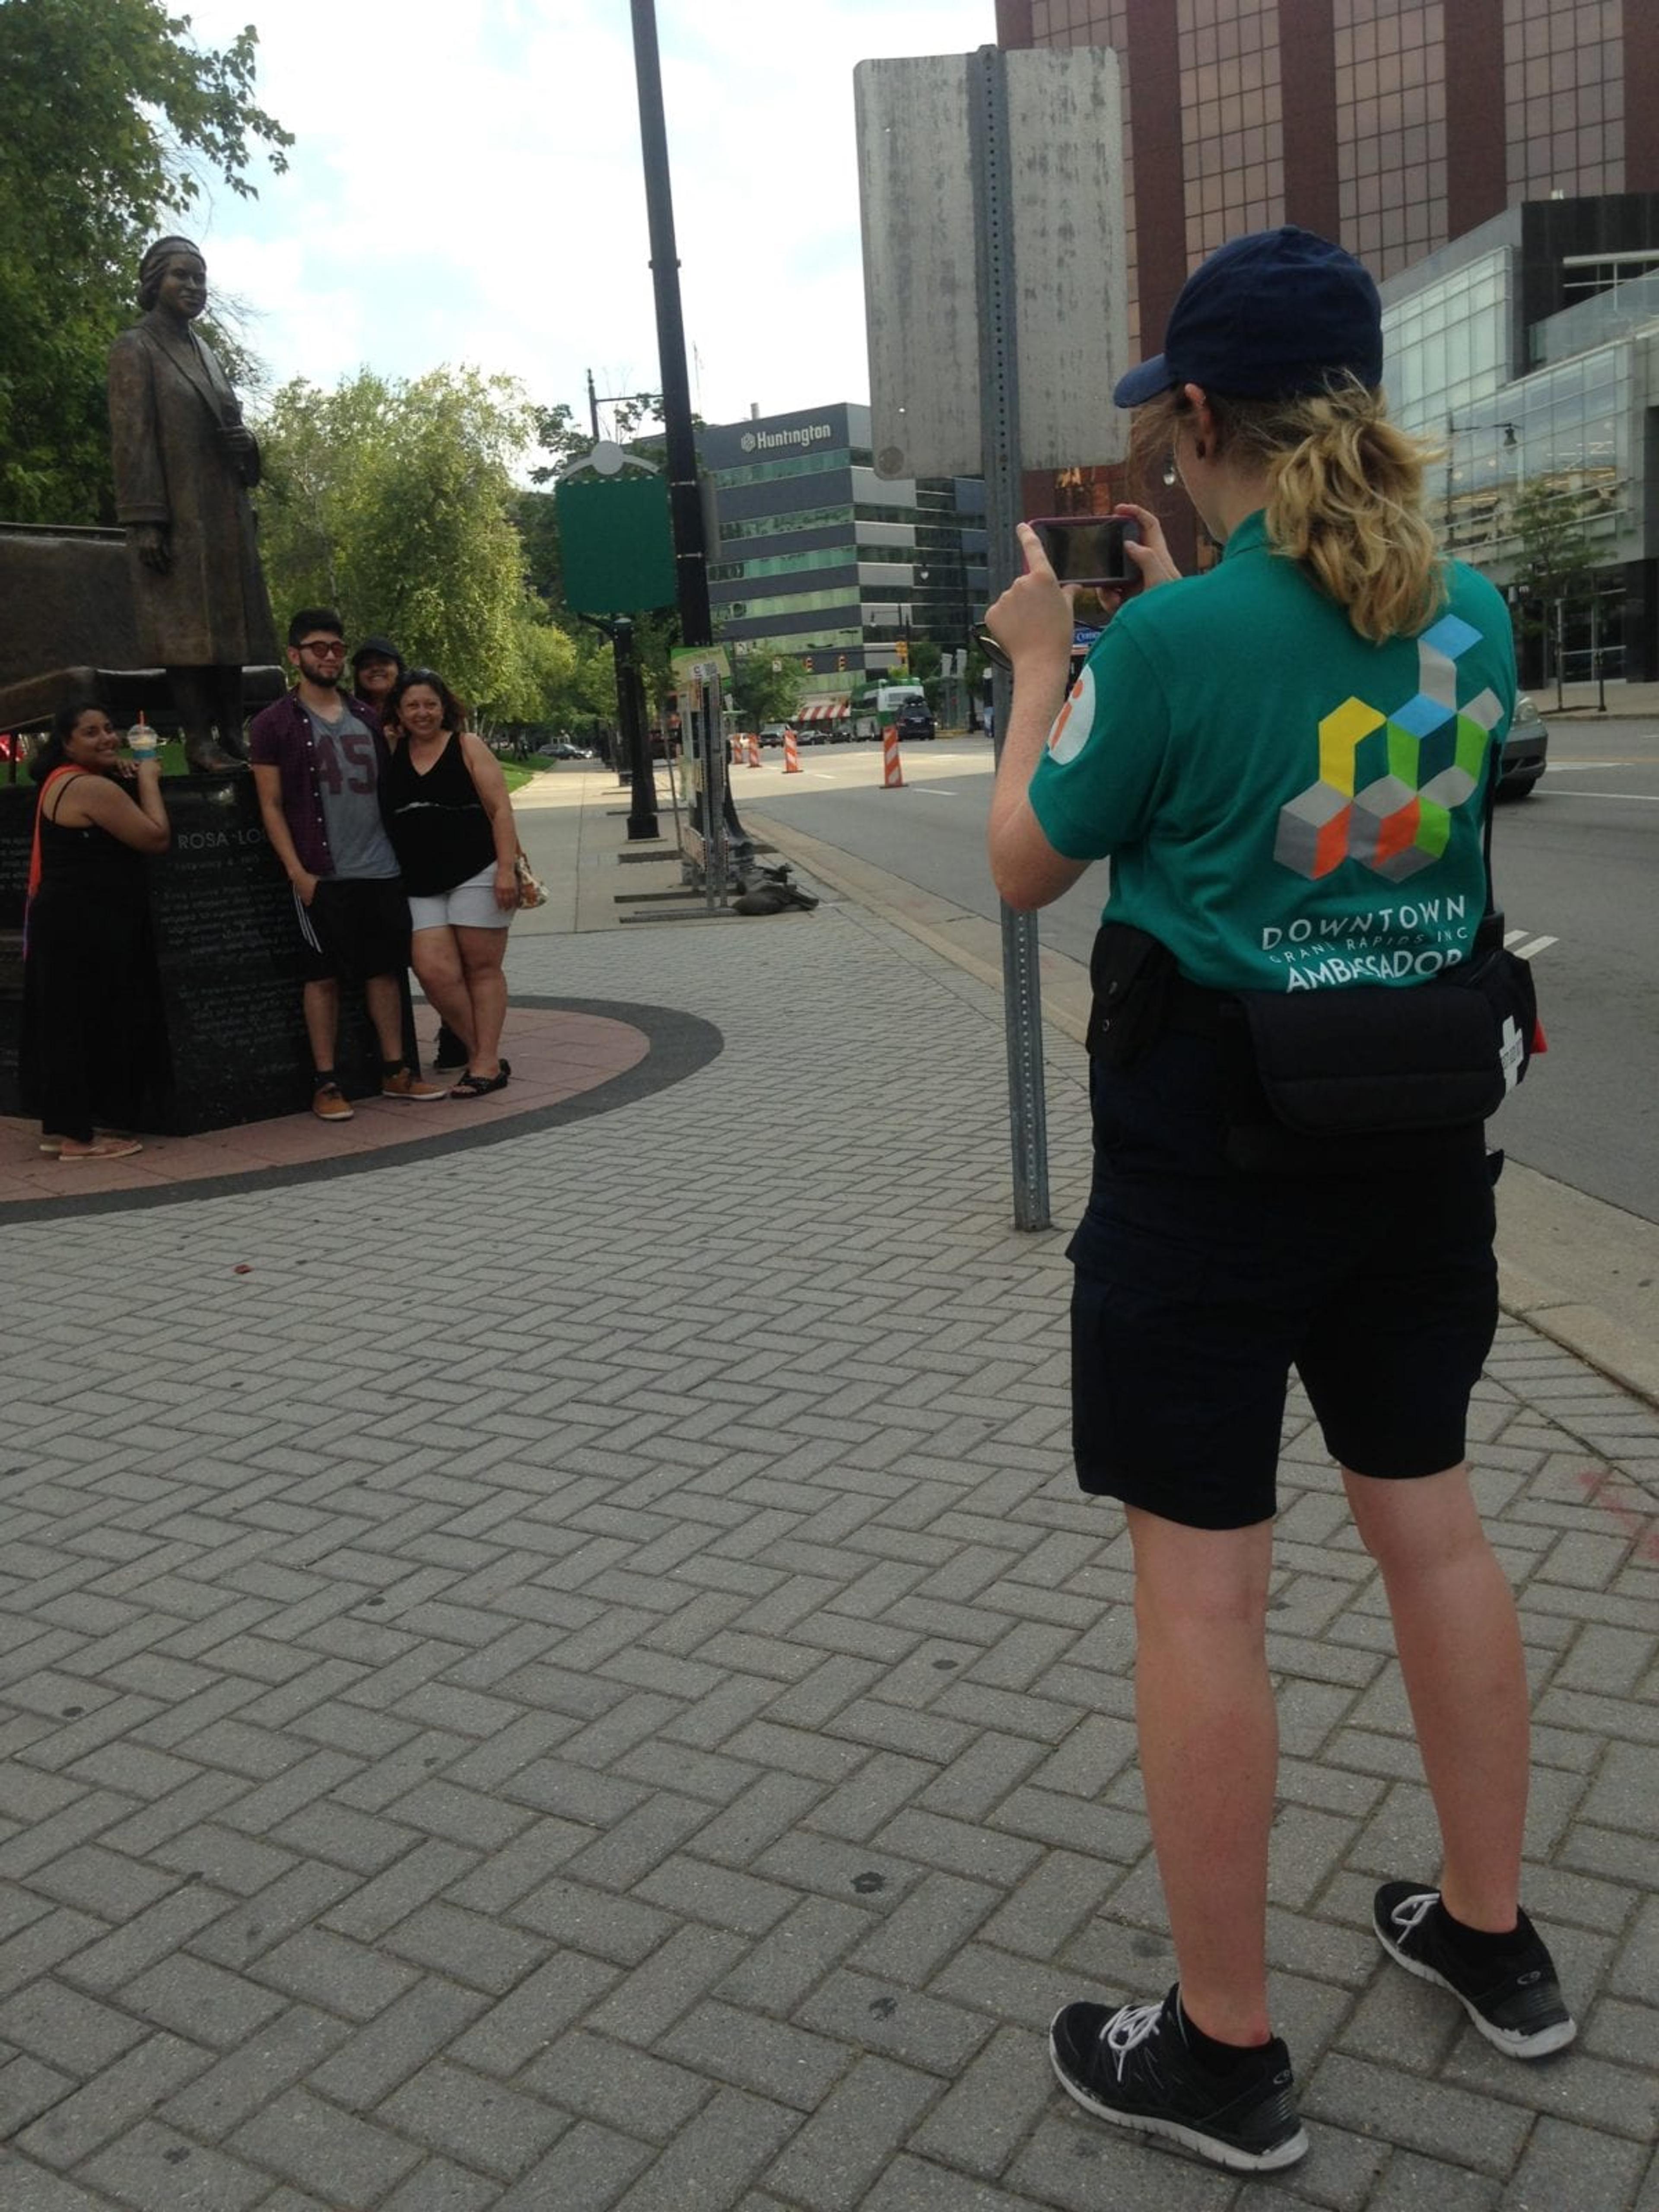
(773,734)
(1526,751)
(567,749)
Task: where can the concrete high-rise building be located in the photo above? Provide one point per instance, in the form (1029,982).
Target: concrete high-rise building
(1393,125)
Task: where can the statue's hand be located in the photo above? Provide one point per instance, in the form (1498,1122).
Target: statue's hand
(154,550)
(238,442)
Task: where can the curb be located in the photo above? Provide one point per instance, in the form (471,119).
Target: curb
(1582,1272)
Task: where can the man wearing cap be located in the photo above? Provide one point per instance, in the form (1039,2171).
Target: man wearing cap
(376,665)
(1287,761)
(318,765)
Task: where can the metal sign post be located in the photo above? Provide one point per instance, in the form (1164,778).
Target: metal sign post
(998,384)
(992,193)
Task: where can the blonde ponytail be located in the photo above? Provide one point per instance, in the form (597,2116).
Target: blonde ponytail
(1347,503)
(1344,496)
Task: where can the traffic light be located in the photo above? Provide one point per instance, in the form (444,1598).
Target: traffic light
(841,662)
(901,653)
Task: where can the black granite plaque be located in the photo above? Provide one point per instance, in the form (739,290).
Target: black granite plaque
(227,955)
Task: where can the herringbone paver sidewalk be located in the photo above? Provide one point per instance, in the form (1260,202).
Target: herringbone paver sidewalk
(582,1682)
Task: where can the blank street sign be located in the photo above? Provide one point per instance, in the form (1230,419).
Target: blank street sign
(920,276)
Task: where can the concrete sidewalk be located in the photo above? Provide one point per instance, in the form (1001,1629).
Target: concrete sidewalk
(581,1682)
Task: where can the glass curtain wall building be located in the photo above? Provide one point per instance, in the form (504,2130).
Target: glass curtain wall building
(1529,352)
(815,556)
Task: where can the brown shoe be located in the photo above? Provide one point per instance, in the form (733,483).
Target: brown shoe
(405,1083)
(328,1104)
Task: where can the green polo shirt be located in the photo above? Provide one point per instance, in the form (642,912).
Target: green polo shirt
(1286,805)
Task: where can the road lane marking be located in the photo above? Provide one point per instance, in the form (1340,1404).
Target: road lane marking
(1539,944)
(1636,797)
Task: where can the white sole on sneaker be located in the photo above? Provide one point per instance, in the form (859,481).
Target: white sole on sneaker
(1210,2148)
(1514,2045)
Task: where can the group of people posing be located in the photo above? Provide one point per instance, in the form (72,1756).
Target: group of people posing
(393,824)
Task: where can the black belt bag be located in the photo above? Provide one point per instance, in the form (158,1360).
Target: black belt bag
(1368,1059)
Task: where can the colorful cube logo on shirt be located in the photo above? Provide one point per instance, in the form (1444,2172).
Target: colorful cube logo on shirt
(1421,761)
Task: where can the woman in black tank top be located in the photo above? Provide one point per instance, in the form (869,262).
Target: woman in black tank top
(452,829)
(92,1031)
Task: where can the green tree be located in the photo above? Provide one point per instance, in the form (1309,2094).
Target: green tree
(926,667)
(1555,568)
(766,687)
(114,122)
(396,502)
(1555,561)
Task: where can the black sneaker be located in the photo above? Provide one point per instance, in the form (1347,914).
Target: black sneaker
(450,1051)
(1135,2067)
(1514,2000)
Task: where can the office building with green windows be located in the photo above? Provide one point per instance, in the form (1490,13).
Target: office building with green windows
(815,556)
(1530,349)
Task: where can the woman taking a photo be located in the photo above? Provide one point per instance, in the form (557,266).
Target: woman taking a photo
(452,829)
(88,977)
(1287,760)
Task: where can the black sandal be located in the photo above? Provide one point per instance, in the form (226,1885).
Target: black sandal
(480,1086)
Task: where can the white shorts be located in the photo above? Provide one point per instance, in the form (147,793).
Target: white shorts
(470,905)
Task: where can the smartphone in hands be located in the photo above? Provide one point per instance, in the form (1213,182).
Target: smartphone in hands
(1088,548)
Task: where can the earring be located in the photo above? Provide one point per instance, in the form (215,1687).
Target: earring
(1170,471)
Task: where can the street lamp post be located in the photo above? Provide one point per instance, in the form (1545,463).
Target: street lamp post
(723,833)
(1511,436)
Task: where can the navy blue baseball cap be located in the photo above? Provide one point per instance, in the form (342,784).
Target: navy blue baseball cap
(1268,315)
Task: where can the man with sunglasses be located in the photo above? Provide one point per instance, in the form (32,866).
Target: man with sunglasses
(318,764)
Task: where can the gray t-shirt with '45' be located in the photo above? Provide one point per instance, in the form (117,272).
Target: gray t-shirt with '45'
(348,777)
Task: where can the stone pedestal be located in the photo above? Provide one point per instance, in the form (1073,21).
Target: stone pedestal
(227,955)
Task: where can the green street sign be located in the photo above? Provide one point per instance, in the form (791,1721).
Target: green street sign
(616,545)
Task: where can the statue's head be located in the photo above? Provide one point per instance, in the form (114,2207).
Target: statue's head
(173,274)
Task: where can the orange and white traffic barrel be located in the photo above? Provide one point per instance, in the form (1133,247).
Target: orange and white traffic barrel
(754,751)
(791,754)
(892,773)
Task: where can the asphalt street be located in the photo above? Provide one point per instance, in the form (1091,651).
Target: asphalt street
(1576,867)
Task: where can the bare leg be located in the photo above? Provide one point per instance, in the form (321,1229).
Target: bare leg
(321,1002)
(384,998)
(1209,1749)
(482,951)
(437,959)
(1460,1651)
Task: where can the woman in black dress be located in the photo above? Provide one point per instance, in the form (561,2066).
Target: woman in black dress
(88,971)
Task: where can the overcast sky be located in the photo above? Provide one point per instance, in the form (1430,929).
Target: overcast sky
(466,187)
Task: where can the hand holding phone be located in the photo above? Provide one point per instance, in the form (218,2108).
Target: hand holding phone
(1088,549)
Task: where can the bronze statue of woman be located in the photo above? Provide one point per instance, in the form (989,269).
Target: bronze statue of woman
(185,462)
